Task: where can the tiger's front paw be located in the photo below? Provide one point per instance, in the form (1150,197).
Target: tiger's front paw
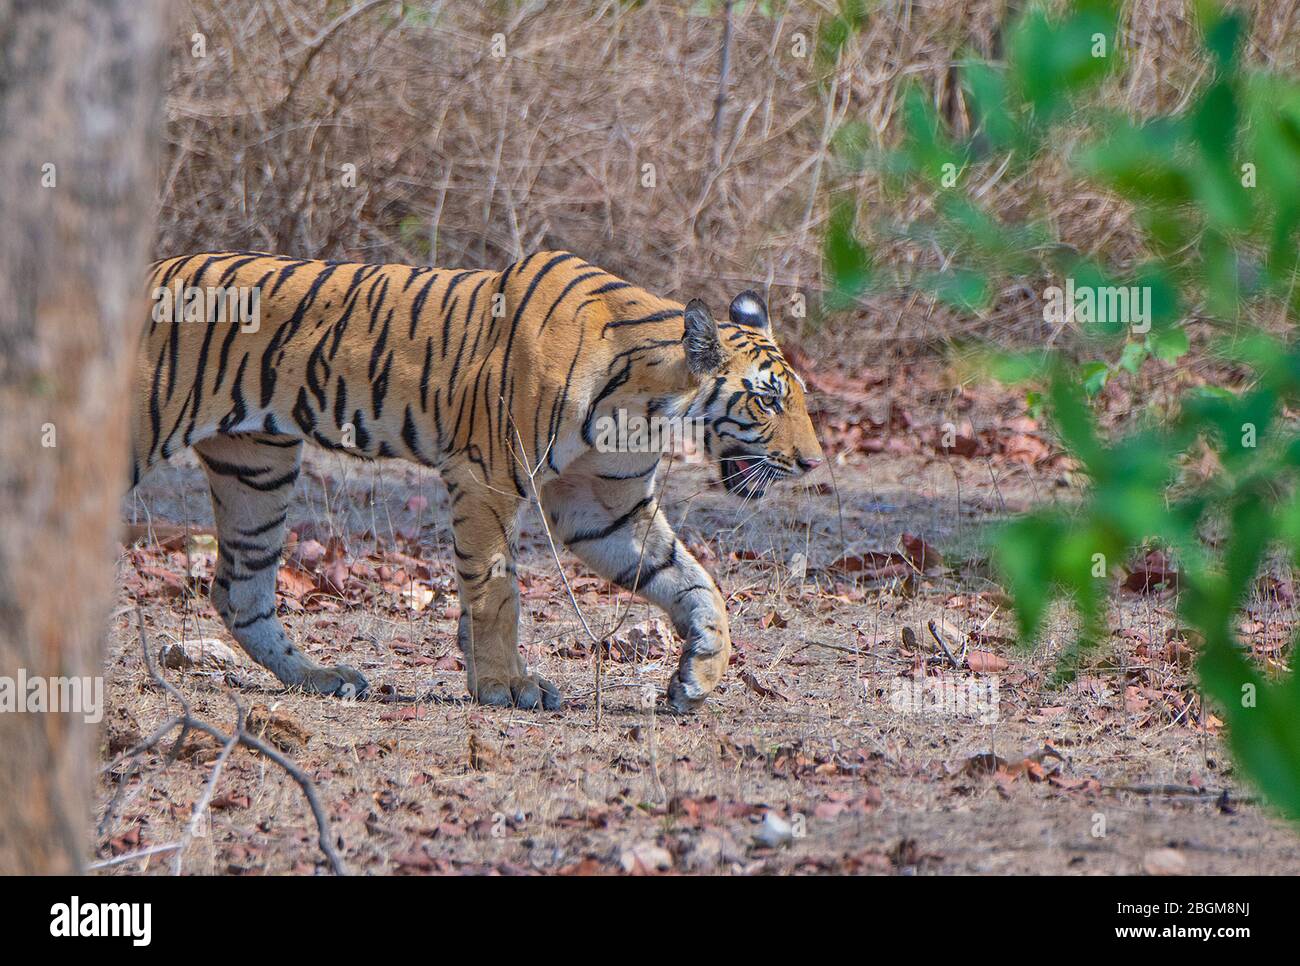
(338,682)
(684,698)
(528,691)
(704,662)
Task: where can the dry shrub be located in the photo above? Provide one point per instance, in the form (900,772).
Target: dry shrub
(463,157)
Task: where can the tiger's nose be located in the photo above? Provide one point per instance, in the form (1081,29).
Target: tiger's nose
(808,465)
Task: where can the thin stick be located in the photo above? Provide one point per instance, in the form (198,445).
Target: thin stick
(201,806)
(934,632)
(1188,790)
(130,856)
(660,794)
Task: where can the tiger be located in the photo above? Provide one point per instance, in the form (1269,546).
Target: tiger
(499,380)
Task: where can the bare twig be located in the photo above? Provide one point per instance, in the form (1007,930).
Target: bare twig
(531,472)
(598,642)
(201,806)
(132,856)
(943,645)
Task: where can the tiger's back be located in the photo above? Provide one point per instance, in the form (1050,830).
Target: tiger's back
(379,360)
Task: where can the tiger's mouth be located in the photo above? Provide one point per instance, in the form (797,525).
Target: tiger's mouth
(747,475)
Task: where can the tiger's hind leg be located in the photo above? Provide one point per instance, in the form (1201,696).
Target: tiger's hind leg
(484,524)
(251,478)
(614,525)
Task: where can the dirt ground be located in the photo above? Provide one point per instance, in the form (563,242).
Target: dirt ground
(871,753)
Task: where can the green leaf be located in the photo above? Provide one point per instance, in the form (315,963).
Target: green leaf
(1144,163)
(1012,368)
(1094,376)
(1052,61)
(965,290)
(987,86)
(1021,557)
(1169,345)
(848,266)
(1223,37)
(1131,358)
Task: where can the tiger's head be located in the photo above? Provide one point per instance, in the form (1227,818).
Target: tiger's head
(756,424)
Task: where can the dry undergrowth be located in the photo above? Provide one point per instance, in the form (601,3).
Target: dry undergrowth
(463,157)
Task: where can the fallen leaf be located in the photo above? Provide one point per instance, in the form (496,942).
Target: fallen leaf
(1154,571)
(644,641)
(294,582)
(985,662)
(482,757)
(646,858)
(873,564)
(920,554)
(762,690)
(417,597)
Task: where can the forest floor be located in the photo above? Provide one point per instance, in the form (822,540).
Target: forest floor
(842,740)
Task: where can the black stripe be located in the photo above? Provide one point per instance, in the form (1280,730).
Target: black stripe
(265,527)
(266,615)
(612,528)
(643,320)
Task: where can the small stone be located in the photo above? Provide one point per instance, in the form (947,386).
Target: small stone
(204,654)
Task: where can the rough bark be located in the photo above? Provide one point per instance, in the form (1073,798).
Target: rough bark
(80,89)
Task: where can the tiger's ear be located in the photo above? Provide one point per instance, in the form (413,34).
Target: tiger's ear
(703,348)
(748,308)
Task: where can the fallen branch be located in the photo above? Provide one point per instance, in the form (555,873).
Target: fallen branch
(200,807)
(1191,791)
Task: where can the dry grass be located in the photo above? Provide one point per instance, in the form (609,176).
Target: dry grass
(464,157)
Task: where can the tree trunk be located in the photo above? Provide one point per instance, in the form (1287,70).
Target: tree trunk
(80,97)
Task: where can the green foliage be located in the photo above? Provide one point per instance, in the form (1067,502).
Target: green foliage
(1215,190)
